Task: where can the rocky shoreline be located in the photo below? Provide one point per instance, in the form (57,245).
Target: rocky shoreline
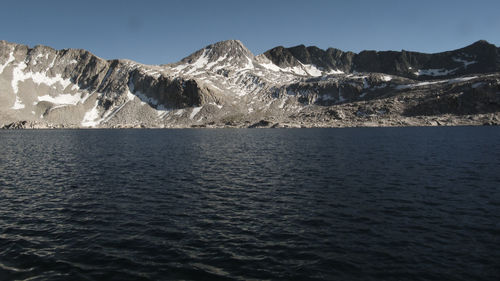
(491,119)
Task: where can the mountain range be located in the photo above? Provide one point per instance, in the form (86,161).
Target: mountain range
(225,85)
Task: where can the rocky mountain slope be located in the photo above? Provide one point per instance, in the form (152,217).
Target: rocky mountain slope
(225,85)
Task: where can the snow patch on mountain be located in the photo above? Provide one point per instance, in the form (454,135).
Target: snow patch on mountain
(465,62)
(194,112)
(249,65)
(216,62)
(200,63)
(90,119)
(461,79)
(427,83)
(312,70)
(271,66)
(386,78)
(18,75)
(435,72)
(18,104)
(66,99)
(9,60)
(335,72)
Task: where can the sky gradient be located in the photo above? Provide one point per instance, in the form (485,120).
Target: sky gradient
(158,32)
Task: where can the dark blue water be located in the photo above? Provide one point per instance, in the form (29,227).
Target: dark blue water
(291,204)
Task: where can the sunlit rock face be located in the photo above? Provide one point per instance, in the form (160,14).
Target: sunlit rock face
(225,85)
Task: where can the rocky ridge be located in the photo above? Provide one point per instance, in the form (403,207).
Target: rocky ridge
(225,85)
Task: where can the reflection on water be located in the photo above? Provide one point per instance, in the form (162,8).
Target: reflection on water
(310,204)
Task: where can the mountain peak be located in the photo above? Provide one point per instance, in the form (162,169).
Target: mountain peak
(229,54)
(481,42)
(227,44)
(228,48)
(219,50)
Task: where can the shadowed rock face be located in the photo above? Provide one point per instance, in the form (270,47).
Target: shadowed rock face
(167,92)
(331,59)
(461,101)
(283,57)
(224,84)
(480,57)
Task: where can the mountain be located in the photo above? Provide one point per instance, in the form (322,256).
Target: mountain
(225,85)
(480,57)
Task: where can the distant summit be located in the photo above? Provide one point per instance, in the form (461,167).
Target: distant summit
(220,51)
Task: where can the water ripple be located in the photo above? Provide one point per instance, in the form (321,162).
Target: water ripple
(326,204)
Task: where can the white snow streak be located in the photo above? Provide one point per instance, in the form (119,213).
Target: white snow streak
(312,70)
(449,81)
(218,105)
(282,104)
(53,62)
(180,67)
(161,111)
(465,62)
(91,116)
(201,62)
(17,75)
(271,66)
(66,99)
(194,112)
(295,70)
(461,79)
(130,96)
(401,87)
(18,104)
(39,78)
(386,78)
(209,65)
(145,99)
(249,65)
(335,71)
(9,60)
(434,72)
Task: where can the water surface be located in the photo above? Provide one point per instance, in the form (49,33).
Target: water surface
(242,204)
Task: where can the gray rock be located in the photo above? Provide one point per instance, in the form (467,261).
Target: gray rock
(261,124)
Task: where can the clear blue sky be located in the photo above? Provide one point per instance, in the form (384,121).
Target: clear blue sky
(157,32)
